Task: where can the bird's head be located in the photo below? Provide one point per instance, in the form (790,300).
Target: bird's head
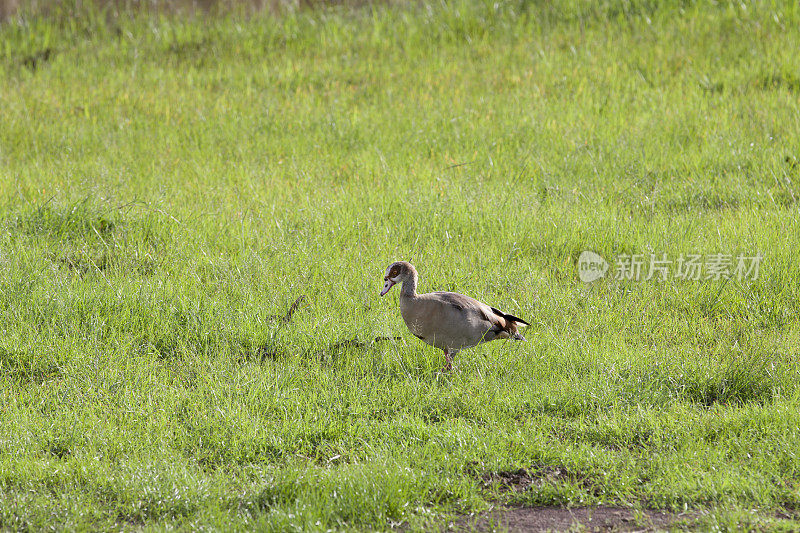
(397,273)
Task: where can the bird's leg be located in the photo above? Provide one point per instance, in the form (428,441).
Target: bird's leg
(448,366)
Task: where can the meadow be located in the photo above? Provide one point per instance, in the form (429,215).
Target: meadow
(171,185)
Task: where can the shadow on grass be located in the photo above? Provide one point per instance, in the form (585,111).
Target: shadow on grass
(26,366)
(743,381)
(753,377)
(65,222)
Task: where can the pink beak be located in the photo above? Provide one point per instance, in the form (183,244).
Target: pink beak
(386,286)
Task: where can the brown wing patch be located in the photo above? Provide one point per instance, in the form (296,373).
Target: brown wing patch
(506,323)
(497,320)
(510,318)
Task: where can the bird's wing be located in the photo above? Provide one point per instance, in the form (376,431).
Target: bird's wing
(452,320)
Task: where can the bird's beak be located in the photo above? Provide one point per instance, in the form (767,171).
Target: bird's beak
(388,284)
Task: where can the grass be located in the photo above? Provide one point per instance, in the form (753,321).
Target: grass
(171,185)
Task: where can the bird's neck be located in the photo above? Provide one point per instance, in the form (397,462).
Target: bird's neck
(409,288)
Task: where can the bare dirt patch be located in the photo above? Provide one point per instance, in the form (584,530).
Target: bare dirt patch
(523,479)
(550,518)
(577,519)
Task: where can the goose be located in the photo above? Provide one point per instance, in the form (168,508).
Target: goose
(448,320)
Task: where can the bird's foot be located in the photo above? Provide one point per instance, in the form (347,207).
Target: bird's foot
(448,365)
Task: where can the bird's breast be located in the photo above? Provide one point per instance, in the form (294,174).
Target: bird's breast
(413,322)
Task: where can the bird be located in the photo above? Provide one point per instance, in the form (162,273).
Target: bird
(448,320)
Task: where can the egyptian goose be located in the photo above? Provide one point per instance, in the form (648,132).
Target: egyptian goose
(448,320)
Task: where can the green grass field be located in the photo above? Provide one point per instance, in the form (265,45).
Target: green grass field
(171,185)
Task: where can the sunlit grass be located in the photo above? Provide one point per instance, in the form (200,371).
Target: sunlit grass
(171,186)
